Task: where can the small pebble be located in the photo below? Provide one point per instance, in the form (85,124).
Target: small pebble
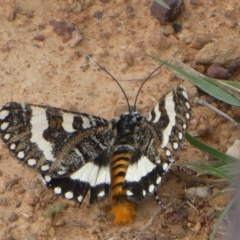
(128,58)
(199,41)
(76,7)
(32,200)
(59,223)
(98,14)
(39,37)
(18,204)
(11,183)
(20,190)
(159,41)
(177,27)
(202,192)
(13,217)
(77,37)
(3,202)
(41,27)
(197,227)
(167,30)
(186,36)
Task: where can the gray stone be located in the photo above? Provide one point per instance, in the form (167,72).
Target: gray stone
(225,52)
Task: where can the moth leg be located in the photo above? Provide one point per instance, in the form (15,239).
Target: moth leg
(183,169)
(158,201)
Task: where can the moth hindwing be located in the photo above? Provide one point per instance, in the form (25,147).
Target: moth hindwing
(76,152)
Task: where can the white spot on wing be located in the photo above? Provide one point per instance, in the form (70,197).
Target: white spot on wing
(184,93)
(57,190)
(61,172)
(151,188)
(149,117)
(165,167)
(47,178)
(168,153)
(21,155)
(144,193)
(4,125)
(180,136)
(45,167)
(158,180)
(68,195)
(32,162)
(158,161)
(67,123)
(4,114)
(7,136)
(169,106)
(92,174)
(39,124)
(80,198)
(12,146)
(101,194)
(86,122)
(129,193)
(157,112)
(187,105)
(175,145)
(139,169)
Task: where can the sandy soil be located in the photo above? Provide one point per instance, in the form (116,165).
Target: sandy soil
(38,66)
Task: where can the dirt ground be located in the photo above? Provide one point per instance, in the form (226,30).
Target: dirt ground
(39,66)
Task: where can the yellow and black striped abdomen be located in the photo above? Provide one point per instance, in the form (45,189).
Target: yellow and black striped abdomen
(123,209)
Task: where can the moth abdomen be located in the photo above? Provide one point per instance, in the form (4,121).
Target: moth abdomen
(123,209)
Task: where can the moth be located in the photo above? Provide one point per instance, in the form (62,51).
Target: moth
(77,153)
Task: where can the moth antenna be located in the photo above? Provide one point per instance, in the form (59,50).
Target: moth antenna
(125,95)
(144,81)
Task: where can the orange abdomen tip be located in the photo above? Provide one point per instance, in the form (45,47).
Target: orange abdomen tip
(124,212)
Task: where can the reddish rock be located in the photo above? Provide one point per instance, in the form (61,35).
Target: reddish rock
(217,71)
(165,15)
(63,29)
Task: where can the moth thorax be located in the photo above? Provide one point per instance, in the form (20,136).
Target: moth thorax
(128,124)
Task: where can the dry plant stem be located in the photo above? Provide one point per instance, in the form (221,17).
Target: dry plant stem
(198,179)
(149,223)
(204,103)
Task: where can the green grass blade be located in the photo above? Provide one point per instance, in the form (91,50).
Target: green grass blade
(211,151)
(221,217)
(218,173)
(206,85)
(54,210)
(161,2)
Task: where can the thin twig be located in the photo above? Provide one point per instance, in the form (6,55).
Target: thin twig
(204,103)
(192,206)
(198,179)
(149,223)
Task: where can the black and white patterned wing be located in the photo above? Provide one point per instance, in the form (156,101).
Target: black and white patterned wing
(160,134)
(71,150)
